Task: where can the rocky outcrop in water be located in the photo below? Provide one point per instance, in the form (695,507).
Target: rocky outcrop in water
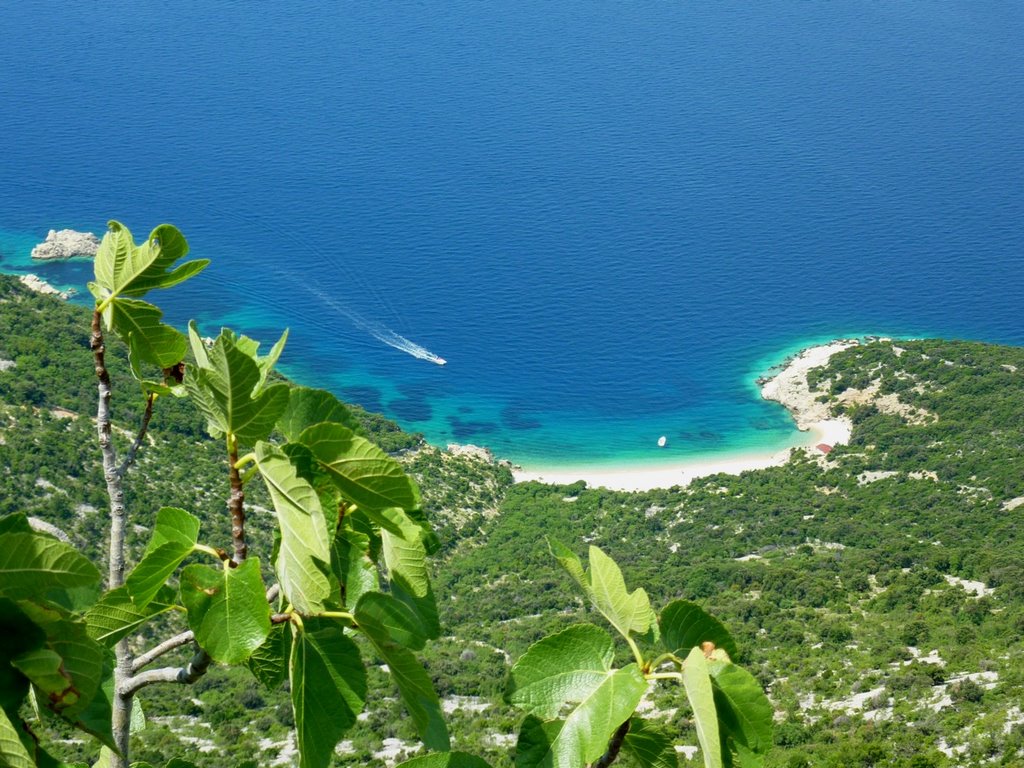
(65,244)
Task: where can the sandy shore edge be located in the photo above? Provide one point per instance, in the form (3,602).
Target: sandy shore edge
(788,387)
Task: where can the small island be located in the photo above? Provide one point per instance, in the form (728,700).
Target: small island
(66,244)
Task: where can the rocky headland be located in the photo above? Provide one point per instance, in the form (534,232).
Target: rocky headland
(790,388)
(37,284)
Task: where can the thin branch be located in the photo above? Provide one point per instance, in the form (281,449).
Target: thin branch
(636,652)
(168,645)
(677,676)
(335,615)
(614,746)
(215,552)
(115,490)
(662,659)
(236,504)
(186,675)
(129,458)
(122,704)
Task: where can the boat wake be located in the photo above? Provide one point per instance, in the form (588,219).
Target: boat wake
(380,332)
(398,341)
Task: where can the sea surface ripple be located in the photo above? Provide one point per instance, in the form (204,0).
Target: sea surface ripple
(608,218)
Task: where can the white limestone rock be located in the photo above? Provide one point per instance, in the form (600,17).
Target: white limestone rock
(37,284)
(65,244)
(473,451)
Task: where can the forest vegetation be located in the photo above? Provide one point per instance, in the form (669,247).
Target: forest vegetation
(876,593)
(350,583)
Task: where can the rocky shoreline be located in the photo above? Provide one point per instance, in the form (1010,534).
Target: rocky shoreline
(789,388)
(37,284)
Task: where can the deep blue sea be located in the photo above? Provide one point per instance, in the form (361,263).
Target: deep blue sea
(609,217)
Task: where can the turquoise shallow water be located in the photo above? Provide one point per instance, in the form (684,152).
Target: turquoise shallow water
(608,219)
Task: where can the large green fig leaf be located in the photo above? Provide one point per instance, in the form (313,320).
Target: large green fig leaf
(44,669)
(229,392)
(685,625)
(152,572)
(124,269)
(12,751)
(744,712)
(95,719)
(304,554)
(198,345)
(445,760)
(650,745)
(115,615)
(174,537)
(430,539)
(389,625)
(361,470)
(535,744)
(18,635)
(351,564)
(267,362)
(406,559)
(628,612)
(699,692)
(83,662)
(227,609)
(386,619)
(328,684)
(149,340)
(583,736)
(32,563)
(15,523)
(269,662)
(561,668)
(307,407)
(173,525)
(308,469)
(571,563)
(45,760)
(125,272)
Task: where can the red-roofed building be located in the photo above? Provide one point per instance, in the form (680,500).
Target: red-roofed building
(824,447)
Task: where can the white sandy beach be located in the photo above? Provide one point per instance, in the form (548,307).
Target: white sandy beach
(788,387)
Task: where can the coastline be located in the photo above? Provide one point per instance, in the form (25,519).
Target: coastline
(787,387)
(630,473)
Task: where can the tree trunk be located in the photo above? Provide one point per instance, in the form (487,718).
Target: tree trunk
(122,705)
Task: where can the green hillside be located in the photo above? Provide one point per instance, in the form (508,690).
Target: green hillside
(877,592)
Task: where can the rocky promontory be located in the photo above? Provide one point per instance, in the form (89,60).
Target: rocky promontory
(37,284)
(790,388)
(66,243)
